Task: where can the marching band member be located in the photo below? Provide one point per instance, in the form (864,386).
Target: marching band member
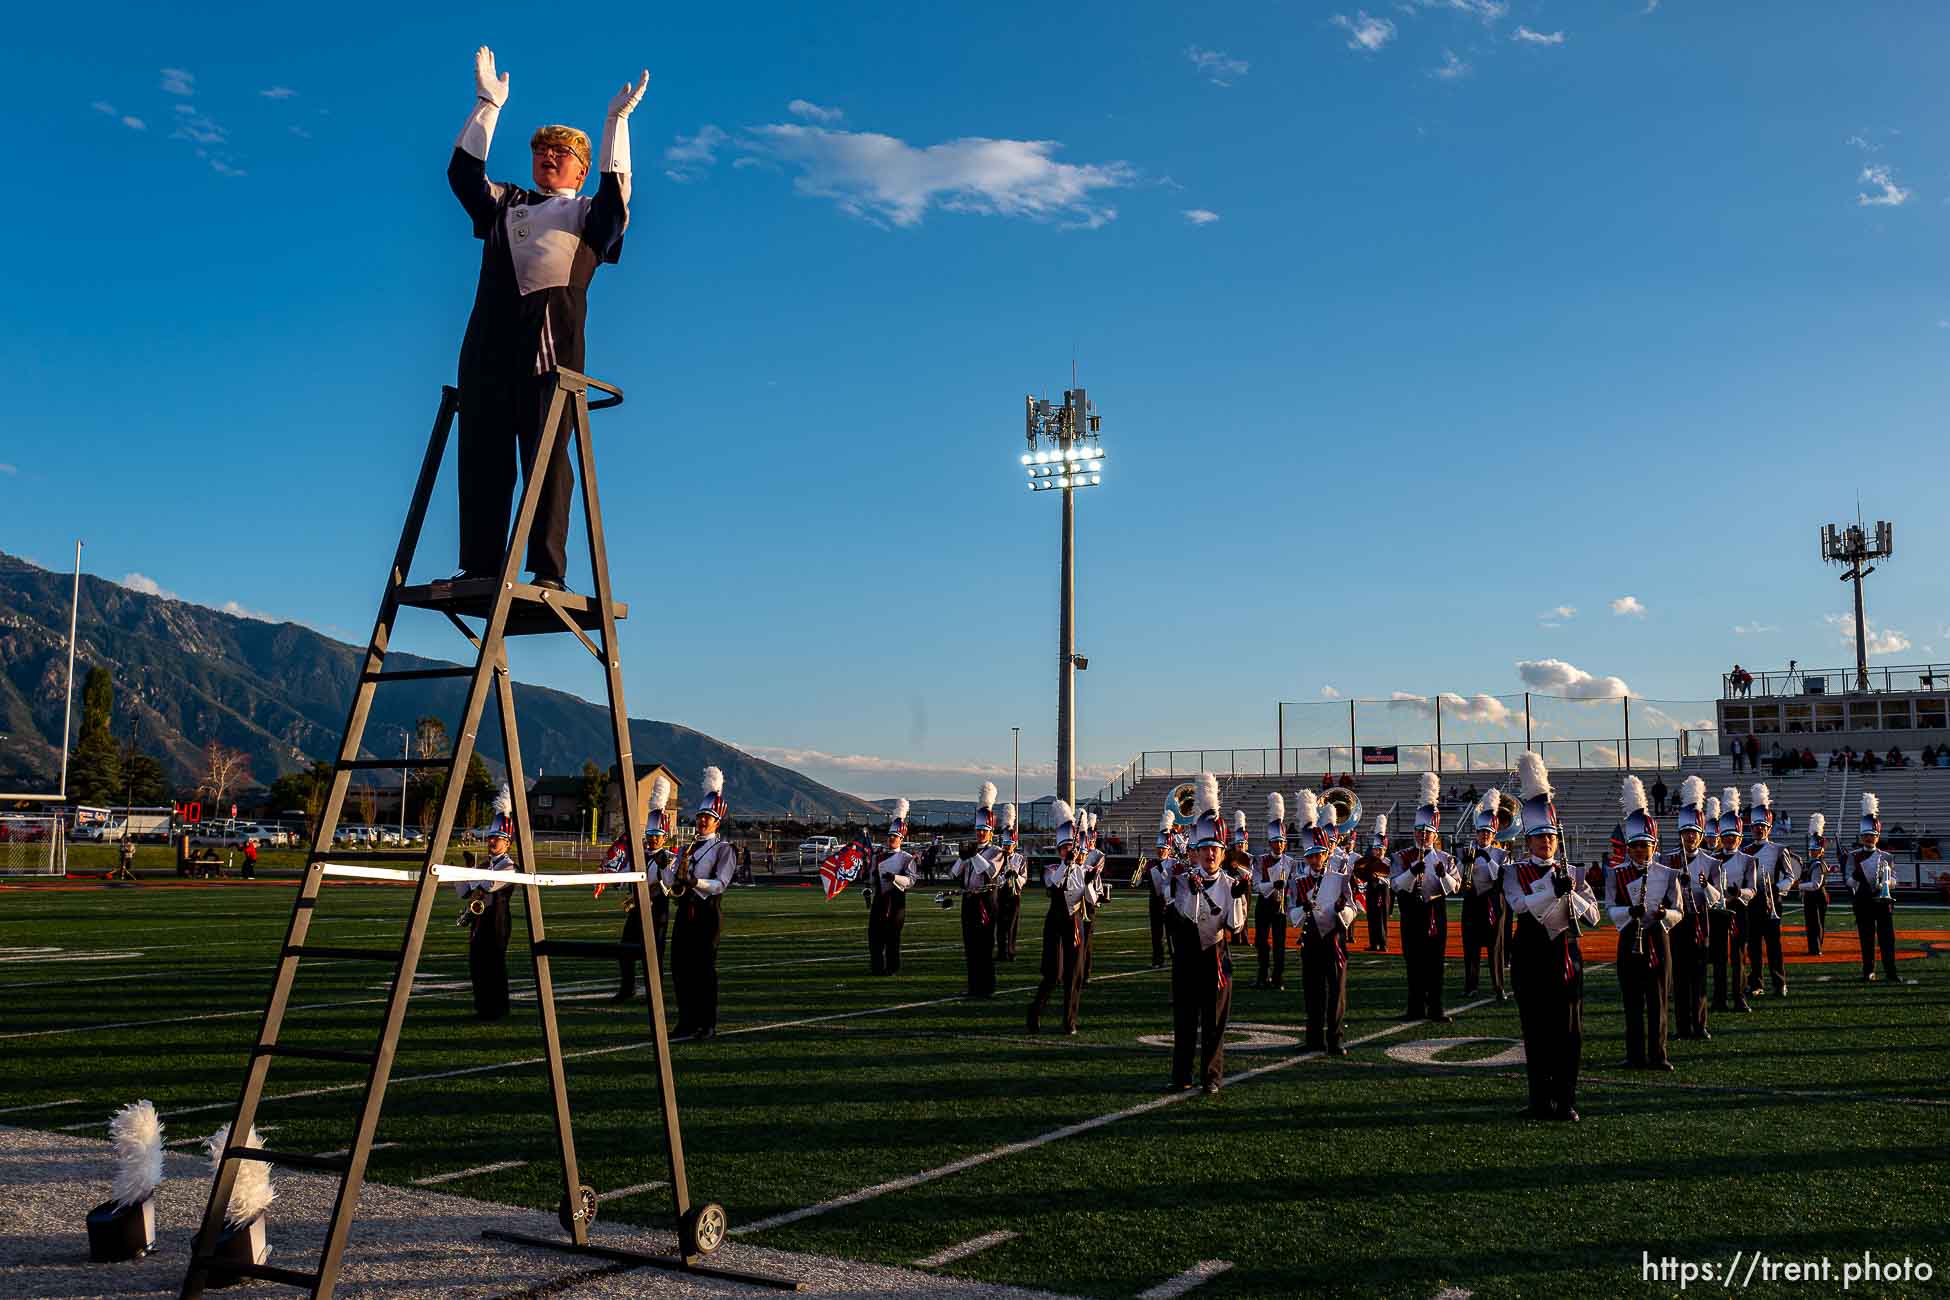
(1709,871)
(1158,878)
(1769,870)
(698,881)
(1814,884)
(1646,903)
(1068,887)
(1373,866)
(1093,874)
(1691,940)
(540,248)
(1014,877)
(1208,908)
(658,861)
(1483,914)
(1424,877)
(1270,872)
(1734,864)
(489,928)
(1872,880)
(976,870)
(1322,894)
(1551,906)
(894,874)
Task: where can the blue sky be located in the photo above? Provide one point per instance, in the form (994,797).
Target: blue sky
(1410,327)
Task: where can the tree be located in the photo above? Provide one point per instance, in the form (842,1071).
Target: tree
(427,785)
(225,772)
(595,787)
(95,767)
(366,805)
(144,782)
(477,790)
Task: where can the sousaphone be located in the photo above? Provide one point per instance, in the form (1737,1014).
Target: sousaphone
(1346,804)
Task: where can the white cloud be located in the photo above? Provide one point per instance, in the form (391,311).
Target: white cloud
(198,127)
(147,585)
(1863,143)
(1364,32)
(1200,216)
(1753,629)
(1560,678)
(692,155)
(1487,10)
(278,92)
(1888,194)
(1452,69)
(134,123)
(298,131)
(1529,37)
(1943,324)
(1221,67)
(222,168)
(1628,605)
(1563,613)
(881,178)
(1483,709)
(239,611)
(8,468)
(178,82)
(814,112)
(1329,693)
(103,106)
(126,119)
(875,764)
(1880,641)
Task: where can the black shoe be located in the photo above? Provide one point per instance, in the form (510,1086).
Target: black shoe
(1211,1089)
(1665,1066)
(546,584)
(1704,1036)
(471,575)
(702,1034)
(1443,1018)
(1338,1049)
(1569,1115)
(626,995)
(1503,997)
(1280,985)
(1071,1032)
(682,1031)
(1742,1007)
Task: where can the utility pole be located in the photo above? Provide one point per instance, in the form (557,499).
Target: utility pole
(1064,455)
(1015,743)
(1850,546)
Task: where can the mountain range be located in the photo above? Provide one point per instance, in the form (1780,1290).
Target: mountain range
(186,674)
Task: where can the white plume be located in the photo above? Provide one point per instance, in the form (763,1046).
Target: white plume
(1330,814)
(1306,806)
(1817,825)
(1207,786)
(251,1194)
(1431,790)
(1060,813)
(986,799)
(900,809)
(1008,815)
(1761,796)
(713,781)
(1532,776)
(660,794)
(1167,821)
(1632,797)
(1276,808)
(1730,799)
(1381,826)
(1692,792)
(1239,820)
(504,802)
(1493,801)
(1871,806)
(1712,811)
(136,1135)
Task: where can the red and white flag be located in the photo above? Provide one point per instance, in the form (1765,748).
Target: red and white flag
(842,869)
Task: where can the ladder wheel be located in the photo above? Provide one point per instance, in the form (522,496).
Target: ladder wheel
(702,1229)
(567,1217)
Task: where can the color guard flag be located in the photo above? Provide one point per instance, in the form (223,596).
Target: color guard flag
(618,859)
(842,869)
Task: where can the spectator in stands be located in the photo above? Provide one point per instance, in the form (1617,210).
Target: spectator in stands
(1659,793)
(1774,758)
(1869,760)
(1752,746)
(1928,757)
(1808,763)
(1896,758)
(1733,748)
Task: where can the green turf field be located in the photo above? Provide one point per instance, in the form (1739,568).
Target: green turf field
(1816,1125)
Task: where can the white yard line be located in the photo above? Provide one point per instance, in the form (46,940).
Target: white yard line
(1203,1271)
(634,1188)
(972,1246)
(434,1180)
(1044,1139)
(41,1105)
(346,1151)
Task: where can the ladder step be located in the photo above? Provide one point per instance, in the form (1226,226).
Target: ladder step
(262,1272)
(291,1159)
(390,764)
(585,948)
(399,857)
(419,674)
(342,954)
(315,1053)
(526,613)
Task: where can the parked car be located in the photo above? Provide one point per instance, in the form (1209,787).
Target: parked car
(107,832)
(219,834)
(817,849)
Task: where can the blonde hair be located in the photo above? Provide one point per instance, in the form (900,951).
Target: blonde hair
(562,137)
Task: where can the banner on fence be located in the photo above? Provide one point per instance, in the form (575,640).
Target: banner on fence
(1380,755)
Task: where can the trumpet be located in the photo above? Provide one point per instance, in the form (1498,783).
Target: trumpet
(681,879)
(946,899)
(474,908)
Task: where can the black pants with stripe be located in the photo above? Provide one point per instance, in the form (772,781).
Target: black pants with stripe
(1875,924)
(1201,1005)
(1550,1007)
(1763,938)
(501,417)
(694,961)
(978,943)
(885,920)
(1269,936)
(1689,963)
(1814,916)
(1645,982)
(1323,975)
(1062,964)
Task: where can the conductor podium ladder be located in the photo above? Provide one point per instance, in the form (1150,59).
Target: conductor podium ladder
(504,608)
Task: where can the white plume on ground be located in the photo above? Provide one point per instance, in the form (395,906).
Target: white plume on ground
(1817,825)
(1871,806)
(251,1194)
(1207,786)
(1632,796)
(986,799)
(1306,806)
(1276,807)
(1060,813)
(713,781)
(1532,777)
(1692,792)
(136,1137)
(900,809)
(1431,789)
(1712,811)
(1761,796)
(1730,799)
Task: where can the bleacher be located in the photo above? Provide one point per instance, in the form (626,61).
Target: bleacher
(1914,798)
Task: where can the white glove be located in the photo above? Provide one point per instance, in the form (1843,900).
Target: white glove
(615,156)
(626,99)
(487,85)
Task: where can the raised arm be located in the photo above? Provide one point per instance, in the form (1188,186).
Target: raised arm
(467,169)
(609,215)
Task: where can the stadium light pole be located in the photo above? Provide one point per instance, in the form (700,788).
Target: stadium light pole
(67,715)
(1851,546)
(1015,743)
(1064,455)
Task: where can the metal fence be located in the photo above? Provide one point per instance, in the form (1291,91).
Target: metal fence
(1833,681)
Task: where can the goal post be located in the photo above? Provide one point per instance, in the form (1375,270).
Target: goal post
(32,845)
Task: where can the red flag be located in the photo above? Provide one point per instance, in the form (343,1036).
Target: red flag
(618,859)
(842,869)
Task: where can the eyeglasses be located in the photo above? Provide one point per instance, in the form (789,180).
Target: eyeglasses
(553,154)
